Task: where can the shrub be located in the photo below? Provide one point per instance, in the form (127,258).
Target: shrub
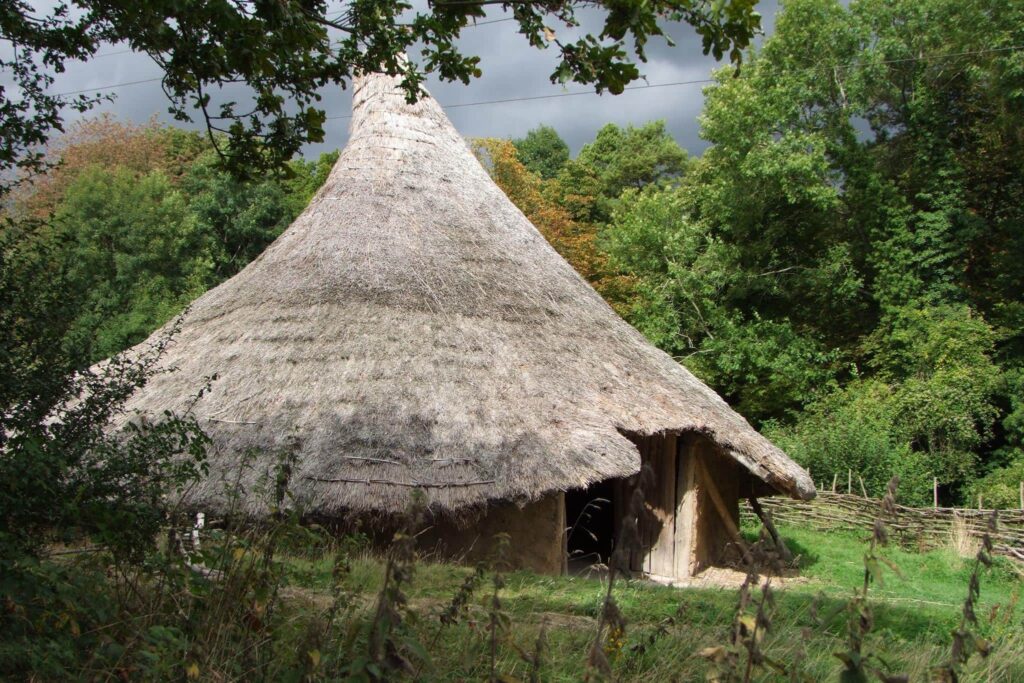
(856,428)
(1001,487)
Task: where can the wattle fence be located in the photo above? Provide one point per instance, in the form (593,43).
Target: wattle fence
(922,528)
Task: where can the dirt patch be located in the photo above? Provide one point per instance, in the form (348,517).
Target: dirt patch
(722,577)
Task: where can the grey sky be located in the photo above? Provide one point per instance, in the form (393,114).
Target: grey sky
(511,69)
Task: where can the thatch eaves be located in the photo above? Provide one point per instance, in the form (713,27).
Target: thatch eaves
(412,329)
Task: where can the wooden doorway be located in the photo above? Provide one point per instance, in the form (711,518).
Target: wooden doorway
(691,511)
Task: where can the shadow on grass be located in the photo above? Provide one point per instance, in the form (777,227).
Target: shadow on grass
(803,555)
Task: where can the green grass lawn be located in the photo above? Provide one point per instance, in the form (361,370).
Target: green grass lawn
(914,615)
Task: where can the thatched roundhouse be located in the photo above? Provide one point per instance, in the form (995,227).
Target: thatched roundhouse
(413,330)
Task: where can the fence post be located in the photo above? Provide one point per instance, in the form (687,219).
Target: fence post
(862,489)
(979,501)
(834,478)
(935,492)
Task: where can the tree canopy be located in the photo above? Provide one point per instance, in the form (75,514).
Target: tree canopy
(542,151)
(285,52)
(140,220)
(843,263)
(853,231)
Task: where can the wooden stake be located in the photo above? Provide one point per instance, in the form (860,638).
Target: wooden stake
(935,492)
(772,531)
(862,489)
(979,501)
(834,477)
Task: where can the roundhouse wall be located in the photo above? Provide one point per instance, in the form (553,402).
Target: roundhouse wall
(536,535)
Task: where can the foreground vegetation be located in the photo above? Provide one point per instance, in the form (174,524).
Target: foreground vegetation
(295,603)
(668,628)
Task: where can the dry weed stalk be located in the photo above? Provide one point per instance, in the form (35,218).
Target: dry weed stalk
(498,621)
(611,625)
(858,664)
(744,656)
(536,658)
(965,641)
(391,644)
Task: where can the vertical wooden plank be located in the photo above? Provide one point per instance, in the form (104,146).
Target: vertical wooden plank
(646,532)
(662,506)
(636,555)
(563,534)
(686,507)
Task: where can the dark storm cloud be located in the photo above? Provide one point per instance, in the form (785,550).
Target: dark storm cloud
(511,69)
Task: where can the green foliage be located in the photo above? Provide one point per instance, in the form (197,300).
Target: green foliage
(855,218)
(69,479)
(138,234)
(132,246)
(1000,488)
(238,220)
(946,399)
(627,158)
(542,151)
(857,428)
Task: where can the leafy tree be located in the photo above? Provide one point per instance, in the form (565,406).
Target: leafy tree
(63,472)
(857,218)
(691,300)
(131,245)
(140,220)
(1000,488)
(238,220)
(106,142)
(946,399)
(542,151)
(630,158)
(286,51)
(857,429)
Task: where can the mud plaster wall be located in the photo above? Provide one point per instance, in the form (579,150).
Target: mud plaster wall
(536,535)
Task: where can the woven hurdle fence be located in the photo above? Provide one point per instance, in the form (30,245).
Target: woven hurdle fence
(922,528)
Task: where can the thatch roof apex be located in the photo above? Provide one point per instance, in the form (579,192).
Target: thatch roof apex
(413,329)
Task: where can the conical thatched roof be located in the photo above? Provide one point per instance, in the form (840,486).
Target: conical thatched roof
(413,329)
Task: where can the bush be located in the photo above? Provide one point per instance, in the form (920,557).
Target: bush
(1001,487)
(856,428)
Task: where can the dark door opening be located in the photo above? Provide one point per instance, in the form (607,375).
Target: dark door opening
(590,517)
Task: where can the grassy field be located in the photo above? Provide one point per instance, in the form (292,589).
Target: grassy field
(914,615)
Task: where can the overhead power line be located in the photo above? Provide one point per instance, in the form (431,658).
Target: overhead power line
(112,54)
(115,86)
(936,58)
(553,96)
(469,26)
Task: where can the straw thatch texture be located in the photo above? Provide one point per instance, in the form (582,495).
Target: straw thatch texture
(413,329)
